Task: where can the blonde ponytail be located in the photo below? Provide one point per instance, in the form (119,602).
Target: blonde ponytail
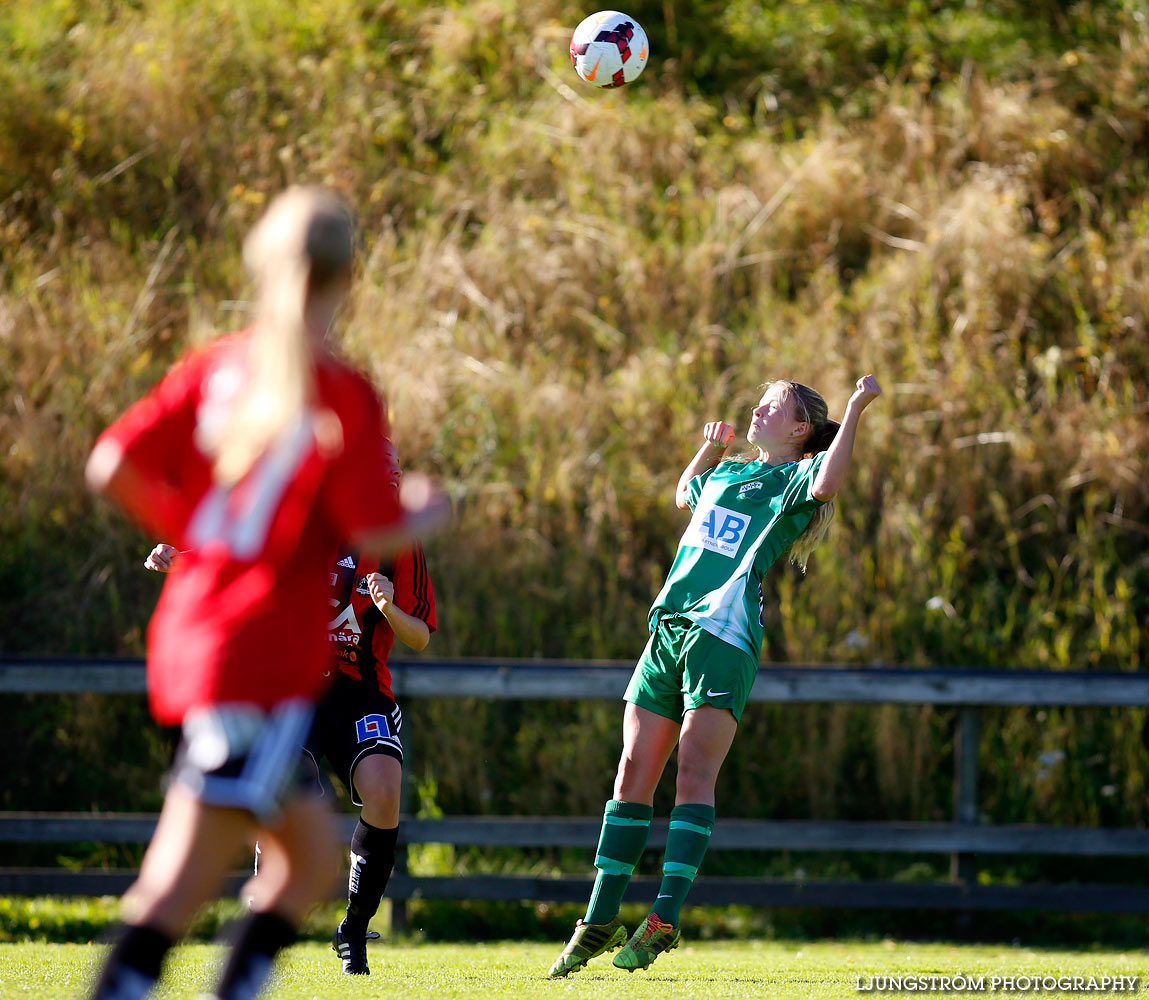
(812,537)
(300,246)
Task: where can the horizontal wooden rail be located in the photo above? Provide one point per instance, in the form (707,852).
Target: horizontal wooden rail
(729,834)
(716,891)
(582,680)
(497,679)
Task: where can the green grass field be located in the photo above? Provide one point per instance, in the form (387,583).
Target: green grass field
(518,970)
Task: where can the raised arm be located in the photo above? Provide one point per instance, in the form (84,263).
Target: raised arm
(152,503)
(837,461)
(718,436)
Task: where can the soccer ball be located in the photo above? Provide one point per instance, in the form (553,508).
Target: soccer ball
(609,49)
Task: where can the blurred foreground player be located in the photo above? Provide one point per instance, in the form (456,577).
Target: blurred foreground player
(253,455)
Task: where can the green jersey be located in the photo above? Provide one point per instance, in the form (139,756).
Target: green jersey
(746,514)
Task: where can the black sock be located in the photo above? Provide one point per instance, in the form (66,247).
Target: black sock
(372,859)
(133,965)
(260,936)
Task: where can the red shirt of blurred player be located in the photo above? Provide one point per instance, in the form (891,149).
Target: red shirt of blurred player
(242,617)
(258,454)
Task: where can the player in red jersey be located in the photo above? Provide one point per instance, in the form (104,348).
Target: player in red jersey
(373,601)
(255,455)
(357,725)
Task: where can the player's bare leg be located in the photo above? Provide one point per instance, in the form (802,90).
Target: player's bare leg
(299,856)
(648,740)
(190,852)
(707,733)
(378,779)
(192,849)
(299,861)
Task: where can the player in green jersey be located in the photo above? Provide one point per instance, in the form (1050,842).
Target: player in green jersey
(693,679)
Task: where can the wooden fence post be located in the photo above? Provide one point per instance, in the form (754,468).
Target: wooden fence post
(399,906)
(963,865)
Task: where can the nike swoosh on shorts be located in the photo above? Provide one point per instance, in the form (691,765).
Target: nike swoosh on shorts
(715,694)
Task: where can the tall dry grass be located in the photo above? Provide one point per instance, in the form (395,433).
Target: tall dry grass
(559,286)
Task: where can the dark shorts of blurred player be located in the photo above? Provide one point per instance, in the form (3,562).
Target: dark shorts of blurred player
(238,756)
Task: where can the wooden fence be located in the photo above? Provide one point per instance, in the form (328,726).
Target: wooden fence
(962,839)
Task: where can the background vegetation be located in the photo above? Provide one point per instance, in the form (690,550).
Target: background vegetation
(558,286)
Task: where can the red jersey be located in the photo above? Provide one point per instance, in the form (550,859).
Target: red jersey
(242,617)
(361,637)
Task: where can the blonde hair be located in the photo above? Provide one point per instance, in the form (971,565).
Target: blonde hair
(301,245)
(811,407)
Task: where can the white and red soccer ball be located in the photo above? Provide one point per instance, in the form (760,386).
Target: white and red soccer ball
(609,49)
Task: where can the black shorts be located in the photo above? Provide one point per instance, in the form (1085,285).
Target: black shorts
(354,720)
(237,755)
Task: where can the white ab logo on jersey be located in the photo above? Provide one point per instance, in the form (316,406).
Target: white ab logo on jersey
(345,621)
(718,529)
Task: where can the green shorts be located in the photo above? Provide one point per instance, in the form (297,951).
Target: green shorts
(684,666)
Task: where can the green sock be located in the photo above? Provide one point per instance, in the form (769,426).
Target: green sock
(625,826)
(686,844)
